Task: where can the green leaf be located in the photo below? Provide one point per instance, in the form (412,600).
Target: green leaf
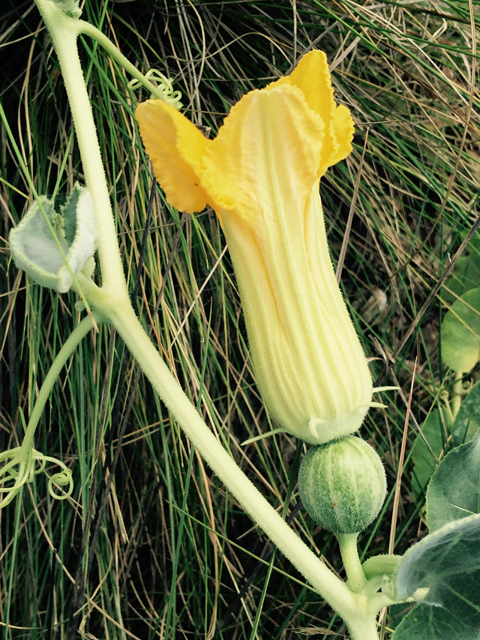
(461,333)
(454,490)
(445,565)
(466,276)
(35,249)
(435,430)
(467,421)
(473,247)
(397,612)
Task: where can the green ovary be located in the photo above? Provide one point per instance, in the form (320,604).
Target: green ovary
(342,484)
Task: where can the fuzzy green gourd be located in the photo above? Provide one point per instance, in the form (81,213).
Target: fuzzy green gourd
(342,484)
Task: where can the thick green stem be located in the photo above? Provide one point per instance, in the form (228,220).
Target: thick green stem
(351,607)
(364,630)
(63,31)
(113,304)
(331,588)
(356,579)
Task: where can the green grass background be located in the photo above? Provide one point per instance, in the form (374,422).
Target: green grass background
(166,552)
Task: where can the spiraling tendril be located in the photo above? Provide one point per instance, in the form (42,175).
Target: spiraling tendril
(20,466)
(169,95)
(444,396)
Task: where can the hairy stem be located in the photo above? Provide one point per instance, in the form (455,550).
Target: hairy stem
(113,304)
(351,607)
(63,31)
(348,549)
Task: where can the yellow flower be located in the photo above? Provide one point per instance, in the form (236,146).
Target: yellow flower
(261,176)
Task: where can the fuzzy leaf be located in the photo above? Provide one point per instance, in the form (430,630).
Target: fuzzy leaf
(35,250)
(461,333)
(467,421)
(466,276)
(435,431)
(446,564)
(454,490)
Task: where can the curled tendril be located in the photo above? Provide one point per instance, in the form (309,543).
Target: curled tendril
(166,88)
(20,466)
(62,478)
(466,386)
(444,396)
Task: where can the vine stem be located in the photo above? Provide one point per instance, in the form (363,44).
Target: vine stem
(354,608)
(88,29)
(353,567)
(64,31)
(61,358)
(113,304)
(20,462)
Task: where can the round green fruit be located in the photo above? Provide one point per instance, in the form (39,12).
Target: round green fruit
(342,484)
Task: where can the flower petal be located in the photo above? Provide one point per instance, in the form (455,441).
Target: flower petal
(176,148)
(262,172)
(344,128)
(268,147)
(312,77)
(308,362)
(223,176)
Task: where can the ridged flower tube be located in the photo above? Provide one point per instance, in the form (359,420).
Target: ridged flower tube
(261,176)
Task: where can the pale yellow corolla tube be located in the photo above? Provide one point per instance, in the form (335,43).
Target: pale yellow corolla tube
(261,176)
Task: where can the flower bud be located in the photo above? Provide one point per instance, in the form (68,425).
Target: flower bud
(261,175)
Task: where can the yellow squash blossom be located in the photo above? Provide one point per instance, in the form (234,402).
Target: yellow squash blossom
(261,176)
